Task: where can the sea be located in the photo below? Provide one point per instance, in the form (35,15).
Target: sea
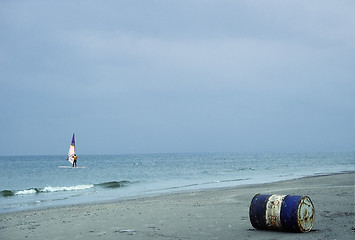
(36,182)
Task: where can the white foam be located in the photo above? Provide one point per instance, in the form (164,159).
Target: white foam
(70,188)
(24,192)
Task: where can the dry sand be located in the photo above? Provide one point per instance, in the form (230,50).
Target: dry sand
(209,214)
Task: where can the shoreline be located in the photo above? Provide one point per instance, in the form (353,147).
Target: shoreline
(219,213)
(159,193)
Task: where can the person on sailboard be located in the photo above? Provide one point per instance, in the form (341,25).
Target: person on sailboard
(74,162)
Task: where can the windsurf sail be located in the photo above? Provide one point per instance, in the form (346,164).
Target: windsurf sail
(71,150)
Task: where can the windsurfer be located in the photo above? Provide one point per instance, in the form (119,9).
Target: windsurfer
(74,162)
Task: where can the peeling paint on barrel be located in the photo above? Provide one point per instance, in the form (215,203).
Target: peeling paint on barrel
(282,212)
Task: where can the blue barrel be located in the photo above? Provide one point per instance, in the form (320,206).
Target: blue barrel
(282,212)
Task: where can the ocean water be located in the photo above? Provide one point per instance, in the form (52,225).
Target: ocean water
(32,182)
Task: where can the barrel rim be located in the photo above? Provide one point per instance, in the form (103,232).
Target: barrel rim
(300,226)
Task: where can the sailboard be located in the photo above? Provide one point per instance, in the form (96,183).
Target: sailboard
(71,152)
(70,167)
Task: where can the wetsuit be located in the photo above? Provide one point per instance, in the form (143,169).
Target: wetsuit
(74,162)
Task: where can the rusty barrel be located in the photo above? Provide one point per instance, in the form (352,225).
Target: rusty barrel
(282,212)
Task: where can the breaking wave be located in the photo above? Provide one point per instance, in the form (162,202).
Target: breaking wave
(49,189)
(113,184)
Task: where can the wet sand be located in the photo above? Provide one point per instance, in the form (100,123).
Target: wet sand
(209,214)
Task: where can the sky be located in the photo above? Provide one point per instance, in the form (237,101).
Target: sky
(159,76)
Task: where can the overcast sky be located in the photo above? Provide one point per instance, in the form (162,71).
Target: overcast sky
(177,76)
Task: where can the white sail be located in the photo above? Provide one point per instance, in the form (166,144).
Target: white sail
(71,150)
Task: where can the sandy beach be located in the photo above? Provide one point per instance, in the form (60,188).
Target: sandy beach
(209,214)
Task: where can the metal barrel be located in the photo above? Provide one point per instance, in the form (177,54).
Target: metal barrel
(282,212)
